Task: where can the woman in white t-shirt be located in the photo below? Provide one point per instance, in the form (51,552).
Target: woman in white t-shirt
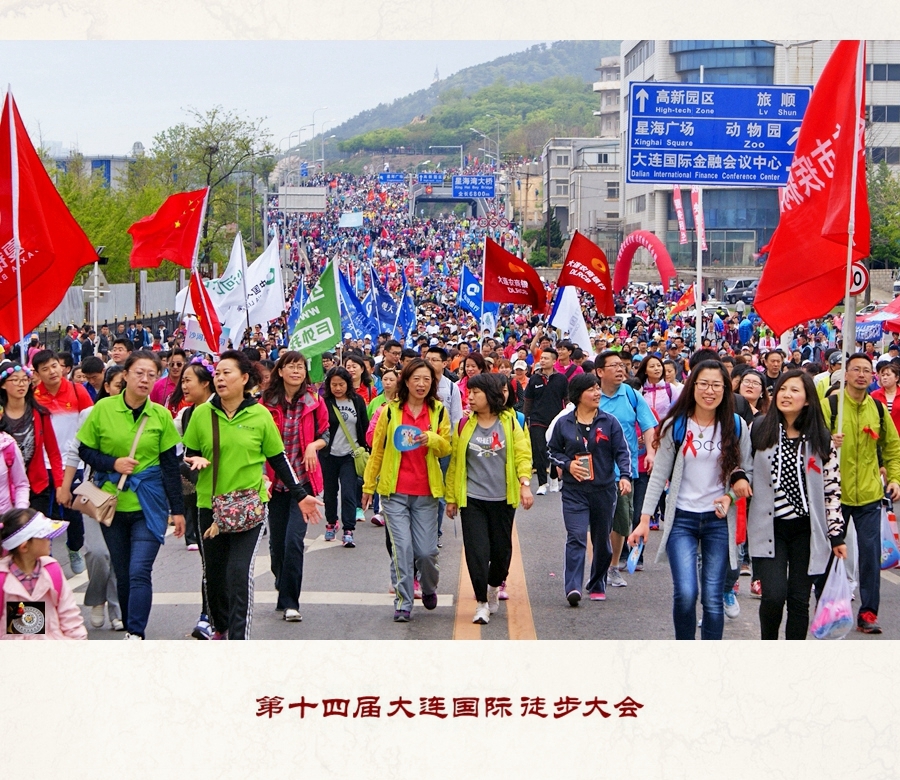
(704,453)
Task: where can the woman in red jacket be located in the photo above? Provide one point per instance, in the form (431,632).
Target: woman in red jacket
(888,376)
(302,420)
(29,424)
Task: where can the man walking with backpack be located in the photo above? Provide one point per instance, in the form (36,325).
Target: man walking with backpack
(867,436)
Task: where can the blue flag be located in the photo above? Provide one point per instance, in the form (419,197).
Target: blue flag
(405,323)
(298,304)
(471,296)
(353,315)
(385,306)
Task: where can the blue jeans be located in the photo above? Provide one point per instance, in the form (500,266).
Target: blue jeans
(287,531)
(867,521)
(338,471)
(691,530)
(132,550)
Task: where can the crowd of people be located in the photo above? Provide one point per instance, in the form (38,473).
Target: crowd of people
(722,440)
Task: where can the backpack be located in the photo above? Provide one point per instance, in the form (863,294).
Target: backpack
(56,579)
(679,428)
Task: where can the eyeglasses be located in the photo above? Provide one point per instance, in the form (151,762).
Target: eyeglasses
(176,365)
(716,386)
(143,374)
(857,370)
(751,383)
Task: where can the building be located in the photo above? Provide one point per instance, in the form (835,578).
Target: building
(608,89)
(581,179)
(740,220)
(525,194)
(112,170)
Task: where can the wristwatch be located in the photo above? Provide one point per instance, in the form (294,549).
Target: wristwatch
(525,483)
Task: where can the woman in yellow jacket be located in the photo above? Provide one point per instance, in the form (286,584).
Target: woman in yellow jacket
(490,467)
(412,433)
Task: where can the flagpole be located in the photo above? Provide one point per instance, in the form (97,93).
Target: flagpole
(698,290)
(14,175)
(849,323)
(194,266)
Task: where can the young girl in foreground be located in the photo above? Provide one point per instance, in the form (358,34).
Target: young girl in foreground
(37,602)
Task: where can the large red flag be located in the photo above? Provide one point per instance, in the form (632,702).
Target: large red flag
(52,246)
(587,267)
(685,302)
(507,279)
(804,276)
(171,233)
(206,313)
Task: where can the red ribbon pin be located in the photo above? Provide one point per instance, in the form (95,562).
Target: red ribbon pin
(600,436)
(689,444)
(871,433)
(811,466)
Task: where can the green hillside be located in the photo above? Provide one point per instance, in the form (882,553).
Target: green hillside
(451,102)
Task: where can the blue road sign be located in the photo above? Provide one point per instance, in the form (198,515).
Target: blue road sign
(726,134)
(391,178)
(430,178)
(473,186)
(304,169)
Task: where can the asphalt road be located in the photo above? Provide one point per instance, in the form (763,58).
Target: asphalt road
(346,593)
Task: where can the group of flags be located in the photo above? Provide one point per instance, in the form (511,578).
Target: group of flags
(824,226)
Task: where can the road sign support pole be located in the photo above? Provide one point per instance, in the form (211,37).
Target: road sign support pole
(698,293)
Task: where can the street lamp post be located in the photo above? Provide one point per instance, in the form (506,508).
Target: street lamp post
(322,108)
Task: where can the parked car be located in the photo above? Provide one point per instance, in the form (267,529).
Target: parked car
(748,294)
(735,287)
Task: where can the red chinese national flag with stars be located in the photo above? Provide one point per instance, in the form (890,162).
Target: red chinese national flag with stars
(172,233)
(586,267)
(206,313)
(507,279)
(804,276)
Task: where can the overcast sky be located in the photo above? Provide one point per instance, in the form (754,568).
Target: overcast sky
(103,96)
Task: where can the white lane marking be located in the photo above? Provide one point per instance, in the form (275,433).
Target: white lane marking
(271,597)
(890,577)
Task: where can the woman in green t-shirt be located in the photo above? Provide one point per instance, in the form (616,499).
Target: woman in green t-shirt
(248,438)
(152,489)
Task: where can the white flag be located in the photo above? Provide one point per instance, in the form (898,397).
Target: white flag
(265,294)
(568,317)
(228,290)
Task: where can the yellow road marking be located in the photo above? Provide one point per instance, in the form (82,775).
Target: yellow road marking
(463,627)
(518,607)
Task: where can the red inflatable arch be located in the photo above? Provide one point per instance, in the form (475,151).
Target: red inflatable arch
(650,242)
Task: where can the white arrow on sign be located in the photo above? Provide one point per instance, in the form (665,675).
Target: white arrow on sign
(642,96)
(793,139)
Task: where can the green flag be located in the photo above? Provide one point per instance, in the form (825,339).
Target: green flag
(318,327)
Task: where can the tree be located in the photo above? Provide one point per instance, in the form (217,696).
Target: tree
(211,151)
(884,208)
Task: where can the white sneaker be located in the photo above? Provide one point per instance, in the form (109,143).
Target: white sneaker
(292,616)
(98,617)
(482,614)
(614,579)
(541,491)
(116,624)
(554,486)
(131,636)
(493,601)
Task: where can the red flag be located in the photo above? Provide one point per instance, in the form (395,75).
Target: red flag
(684,302)
(206,313)
(382,196)
(371,196)
(52,246)
(587,267)
(384,233)
(171,233)
(805,273)
(507,279)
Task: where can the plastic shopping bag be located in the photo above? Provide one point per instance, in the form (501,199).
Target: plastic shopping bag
(890,555)
(834,613)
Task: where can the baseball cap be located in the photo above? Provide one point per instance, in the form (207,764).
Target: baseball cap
(433,343)
(520,364)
